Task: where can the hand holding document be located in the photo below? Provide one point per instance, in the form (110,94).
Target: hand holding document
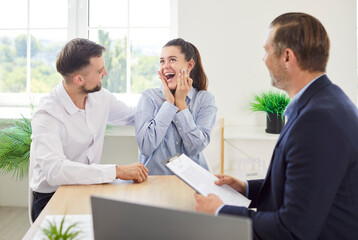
(203,181)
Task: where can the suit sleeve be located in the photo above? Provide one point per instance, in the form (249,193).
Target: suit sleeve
(254,187)
(316,155)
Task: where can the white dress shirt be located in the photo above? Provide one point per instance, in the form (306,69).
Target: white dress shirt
(67,141)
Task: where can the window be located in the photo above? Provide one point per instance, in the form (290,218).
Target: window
(32,32)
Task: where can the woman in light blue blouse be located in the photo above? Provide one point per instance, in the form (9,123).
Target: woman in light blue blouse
(179,116)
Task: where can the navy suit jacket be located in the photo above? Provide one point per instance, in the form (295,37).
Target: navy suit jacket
(311,187)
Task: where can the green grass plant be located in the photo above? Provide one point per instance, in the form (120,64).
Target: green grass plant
(53,232)
(15,142)
(270,101)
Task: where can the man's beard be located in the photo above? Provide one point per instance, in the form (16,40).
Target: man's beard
(96,89)
(279,79)
(280,83)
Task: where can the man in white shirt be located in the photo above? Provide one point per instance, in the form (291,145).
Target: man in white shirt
(69,125)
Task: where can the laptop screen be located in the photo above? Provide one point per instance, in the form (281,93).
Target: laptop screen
(114,219)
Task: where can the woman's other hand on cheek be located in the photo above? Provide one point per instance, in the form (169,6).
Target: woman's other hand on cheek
(183,87)
(168,94)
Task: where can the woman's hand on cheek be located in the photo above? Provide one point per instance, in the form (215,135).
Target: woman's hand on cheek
(168,94)
(183,87)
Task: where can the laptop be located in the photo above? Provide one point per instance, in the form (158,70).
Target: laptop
(114,219)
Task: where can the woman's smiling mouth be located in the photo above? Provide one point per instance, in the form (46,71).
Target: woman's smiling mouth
(169,76)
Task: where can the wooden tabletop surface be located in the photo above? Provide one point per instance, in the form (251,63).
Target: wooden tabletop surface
(162,191)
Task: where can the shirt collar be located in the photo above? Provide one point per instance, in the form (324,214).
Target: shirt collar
(66,100)
(294,100)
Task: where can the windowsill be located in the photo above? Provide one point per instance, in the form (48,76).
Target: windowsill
(21,105)
(10,113)
(14,112)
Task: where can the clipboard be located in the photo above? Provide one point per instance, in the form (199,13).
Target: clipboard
(202,181)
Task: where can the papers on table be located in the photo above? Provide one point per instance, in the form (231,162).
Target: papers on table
(84,224)
(203,181)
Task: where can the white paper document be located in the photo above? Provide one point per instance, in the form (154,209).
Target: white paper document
(203,181)
(84,224)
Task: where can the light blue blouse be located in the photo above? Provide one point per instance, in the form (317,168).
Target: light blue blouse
(162,131)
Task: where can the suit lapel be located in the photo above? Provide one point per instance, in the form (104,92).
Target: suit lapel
(302,102)
(315,87)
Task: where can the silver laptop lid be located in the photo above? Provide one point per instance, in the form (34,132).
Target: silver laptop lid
(113,219)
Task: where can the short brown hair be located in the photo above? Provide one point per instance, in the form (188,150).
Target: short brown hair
(307,38)
(76,55)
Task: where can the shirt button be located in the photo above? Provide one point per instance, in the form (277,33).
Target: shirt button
(177,143)
(176,121)
(179,128)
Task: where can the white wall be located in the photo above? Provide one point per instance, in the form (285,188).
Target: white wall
(229,35)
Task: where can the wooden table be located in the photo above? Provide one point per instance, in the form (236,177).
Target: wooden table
(162,191)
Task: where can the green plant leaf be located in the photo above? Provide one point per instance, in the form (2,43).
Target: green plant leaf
(52,232)
(270,102)
(15,142)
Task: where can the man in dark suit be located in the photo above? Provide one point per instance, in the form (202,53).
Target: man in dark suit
(311,187)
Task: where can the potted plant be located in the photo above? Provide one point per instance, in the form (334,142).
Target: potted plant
(15,142)
(54,232)
(273,103)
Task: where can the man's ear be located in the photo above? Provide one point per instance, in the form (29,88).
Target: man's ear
(191,65)
(78,79)
(288,57)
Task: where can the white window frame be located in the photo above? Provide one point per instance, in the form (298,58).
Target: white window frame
(78,27)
